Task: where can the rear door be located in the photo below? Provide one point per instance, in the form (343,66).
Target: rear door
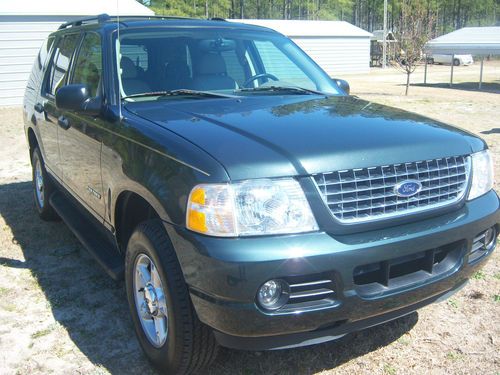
(80,137)
(45,109)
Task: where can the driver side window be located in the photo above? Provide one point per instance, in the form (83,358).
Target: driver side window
(88,66)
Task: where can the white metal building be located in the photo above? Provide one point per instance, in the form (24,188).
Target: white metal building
(337,46)
(24,25)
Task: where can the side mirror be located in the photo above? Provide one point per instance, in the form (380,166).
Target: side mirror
(343,84)
(76,97)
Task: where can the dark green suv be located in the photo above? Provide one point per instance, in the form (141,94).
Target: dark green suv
(246,199)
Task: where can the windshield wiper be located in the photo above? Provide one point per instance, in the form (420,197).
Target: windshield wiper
(180,92)
(295,89)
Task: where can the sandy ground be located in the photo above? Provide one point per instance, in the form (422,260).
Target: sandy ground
(59,313)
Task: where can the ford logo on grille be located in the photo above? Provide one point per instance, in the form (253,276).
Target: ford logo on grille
(408,188)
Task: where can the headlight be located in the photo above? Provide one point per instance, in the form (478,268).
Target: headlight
(249,208)
(482,174)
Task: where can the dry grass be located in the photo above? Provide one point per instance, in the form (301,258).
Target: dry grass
(60,314)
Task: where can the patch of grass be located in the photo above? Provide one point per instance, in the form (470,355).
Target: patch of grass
(454,356)
(389,369)
(453,303)
(42,332)
(496,298)
(99,370)
(8,307)
(3,290)
(497,276)
(479,275)
(404,340)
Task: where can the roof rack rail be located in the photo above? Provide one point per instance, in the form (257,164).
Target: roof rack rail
(98,19)
(105,17)
(153,18)
(217,19)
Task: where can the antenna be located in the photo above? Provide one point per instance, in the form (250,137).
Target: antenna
(118,53)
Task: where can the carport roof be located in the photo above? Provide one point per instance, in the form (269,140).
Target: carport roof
(469,40)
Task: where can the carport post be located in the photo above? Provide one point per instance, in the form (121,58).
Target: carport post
(481,73)
(425,70)
(451,77)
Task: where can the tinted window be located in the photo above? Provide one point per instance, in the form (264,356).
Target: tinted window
(138,53)
(60,63)
(88,64)
(277,63)
(36,72)
(235,66)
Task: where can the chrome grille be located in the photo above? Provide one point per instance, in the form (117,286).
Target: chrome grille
(366,194)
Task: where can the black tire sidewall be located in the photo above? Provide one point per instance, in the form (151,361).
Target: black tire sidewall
(456,62)
(169,356)
(46,212)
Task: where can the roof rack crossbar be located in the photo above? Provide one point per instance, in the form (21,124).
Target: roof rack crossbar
(98,19)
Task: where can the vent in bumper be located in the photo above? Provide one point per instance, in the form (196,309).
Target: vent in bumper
(311,292)
(379,277)
(482,244)
(367,194)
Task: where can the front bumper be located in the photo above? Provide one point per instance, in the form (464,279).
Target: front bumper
(225,274)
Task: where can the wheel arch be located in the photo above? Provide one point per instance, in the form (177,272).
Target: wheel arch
(129,210)
(32,141)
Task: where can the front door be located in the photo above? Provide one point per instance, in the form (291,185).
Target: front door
(80,137)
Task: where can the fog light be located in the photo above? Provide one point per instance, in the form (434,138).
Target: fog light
(273,294)
(490,238)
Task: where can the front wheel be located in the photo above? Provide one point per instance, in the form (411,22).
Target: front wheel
(456,62)
(167,327)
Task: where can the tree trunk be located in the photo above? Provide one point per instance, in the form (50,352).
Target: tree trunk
(407,82)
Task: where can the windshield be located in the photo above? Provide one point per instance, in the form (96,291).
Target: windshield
(156,61)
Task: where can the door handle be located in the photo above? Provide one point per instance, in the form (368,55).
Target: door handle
(63,122)
(39,108)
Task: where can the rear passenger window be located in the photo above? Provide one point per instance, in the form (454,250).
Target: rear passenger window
(41,59)
(88,65)
(60,63)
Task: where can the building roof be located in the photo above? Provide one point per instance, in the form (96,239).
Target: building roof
(297,28)
(469,40)
(73,8)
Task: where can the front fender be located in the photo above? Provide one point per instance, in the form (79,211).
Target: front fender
(156,164)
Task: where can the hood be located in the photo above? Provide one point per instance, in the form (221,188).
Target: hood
(275,136)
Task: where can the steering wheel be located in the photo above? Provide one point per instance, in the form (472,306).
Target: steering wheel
(260,75)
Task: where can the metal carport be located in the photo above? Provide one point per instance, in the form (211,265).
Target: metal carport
(479,41)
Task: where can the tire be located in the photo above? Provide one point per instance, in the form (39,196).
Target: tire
(43,187)
(456,62)
(188,346)
(431,61)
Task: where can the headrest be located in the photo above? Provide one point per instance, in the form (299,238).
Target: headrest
(129,70)
(212,63)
